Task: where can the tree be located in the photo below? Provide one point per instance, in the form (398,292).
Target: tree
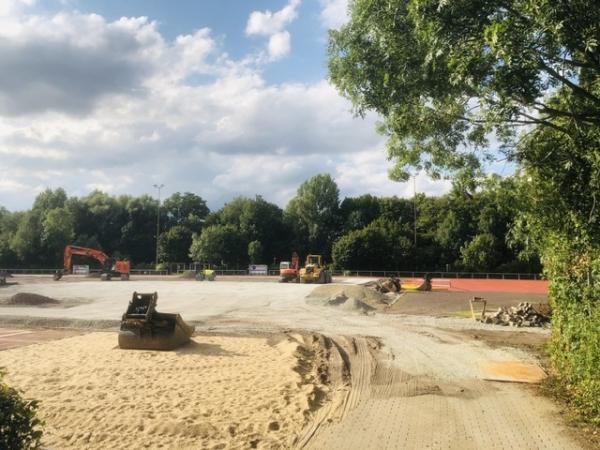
(99,220)
(358,212)
(138,233)
(8,226)
(445,75)
(26,243)
(256,220)
(57,231)
(49,199)
(314,214)
(174,244)
(480,254)
(35,240)
(380,245)
(187,209)
(219,244)
(255,252)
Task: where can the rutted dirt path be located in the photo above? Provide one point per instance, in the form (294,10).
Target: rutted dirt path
(376,405)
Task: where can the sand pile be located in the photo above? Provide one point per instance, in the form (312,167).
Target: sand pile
(29,299)
(350,297)
(217,392)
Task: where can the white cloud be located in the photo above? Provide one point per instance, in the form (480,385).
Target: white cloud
(334,13)
(11,186)
(179,112)
(279,45)
(9,7)
(267,23)
(273,25)
(71,61)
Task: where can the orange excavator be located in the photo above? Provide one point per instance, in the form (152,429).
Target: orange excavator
(110,266)
(288,271)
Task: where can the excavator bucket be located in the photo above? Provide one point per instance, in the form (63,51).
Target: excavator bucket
(144,328)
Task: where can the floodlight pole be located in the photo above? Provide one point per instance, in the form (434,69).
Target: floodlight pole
(158,187)
(415,207)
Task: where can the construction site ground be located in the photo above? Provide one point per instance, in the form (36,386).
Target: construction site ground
(416,375)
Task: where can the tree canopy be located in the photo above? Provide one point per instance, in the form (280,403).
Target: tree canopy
(448,76)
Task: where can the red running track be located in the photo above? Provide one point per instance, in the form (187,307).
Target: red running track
(485,285)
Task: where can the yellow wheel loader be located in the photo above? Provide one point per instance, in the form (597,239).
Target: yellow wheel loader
(314,271)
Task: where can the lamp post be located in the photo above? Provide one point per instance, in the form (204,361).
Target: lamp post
(415,207)
(158,187)
(415,215)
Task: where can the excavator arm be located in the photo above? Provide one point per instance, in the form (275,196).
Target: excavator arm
(71,250)
(110,267)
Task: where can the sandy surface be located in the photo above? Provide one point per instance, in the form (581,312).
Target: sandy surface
(218,392)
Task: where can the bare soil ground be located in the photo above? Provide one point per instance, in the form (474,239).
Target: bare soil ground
(439,303)
(524,340)
(411,379)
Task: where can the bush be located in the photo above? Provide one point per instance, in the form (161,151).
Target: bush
(19,427)
(575,344)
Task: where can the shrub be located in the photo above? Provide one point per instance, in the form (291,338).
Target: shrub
(575,344)
(20,429)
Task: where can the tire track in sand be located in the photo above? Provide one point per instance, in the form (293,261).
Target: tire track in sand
(376,405)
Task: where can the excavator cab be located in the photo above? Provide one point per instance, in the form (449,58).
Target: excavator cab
(288,271)
(144,328)
(114,268)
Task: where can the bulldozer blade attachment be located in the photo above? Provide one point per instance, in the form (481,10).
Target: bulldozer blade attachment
(144,328)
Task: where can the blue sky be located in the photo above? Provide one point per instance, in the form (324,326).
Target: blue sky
(220,98)
(227,19)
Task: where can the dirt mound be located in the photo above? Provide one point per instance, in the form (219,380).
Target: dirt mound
(188,275)
(385,285)
(26,298)
(355,298)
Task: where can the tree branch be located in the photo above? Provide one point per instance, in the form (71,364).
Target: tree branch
(574,87)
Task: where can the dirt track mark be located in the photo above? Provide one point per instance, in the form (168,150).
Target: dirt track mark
(384,407)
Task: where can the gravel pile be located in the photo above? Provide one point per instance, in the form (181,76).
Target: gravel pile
(522,315)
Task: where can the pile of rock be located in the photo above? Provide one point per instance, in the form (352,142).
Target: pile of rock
(522,315)
(385,285)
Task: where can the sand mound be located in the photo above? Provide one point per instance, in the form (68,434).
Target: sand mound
(217,392)
(354,298)
(26,298)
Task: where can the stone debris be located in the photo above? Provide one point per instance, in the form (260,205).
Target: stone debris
(522,315)
(385,285)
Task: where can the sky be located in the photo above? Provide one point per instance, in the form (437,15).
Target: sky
(219,98)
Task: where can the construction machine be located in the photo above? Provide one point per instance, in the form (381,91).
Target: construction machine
(314,271)
(144,328)
(288,271)
(110,266)
(206,273)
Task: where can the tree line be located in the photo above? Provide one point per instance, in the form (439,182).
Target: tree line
(464,230)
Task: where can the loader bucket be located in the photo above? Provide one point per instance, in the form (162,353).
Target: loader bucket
(144,328)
